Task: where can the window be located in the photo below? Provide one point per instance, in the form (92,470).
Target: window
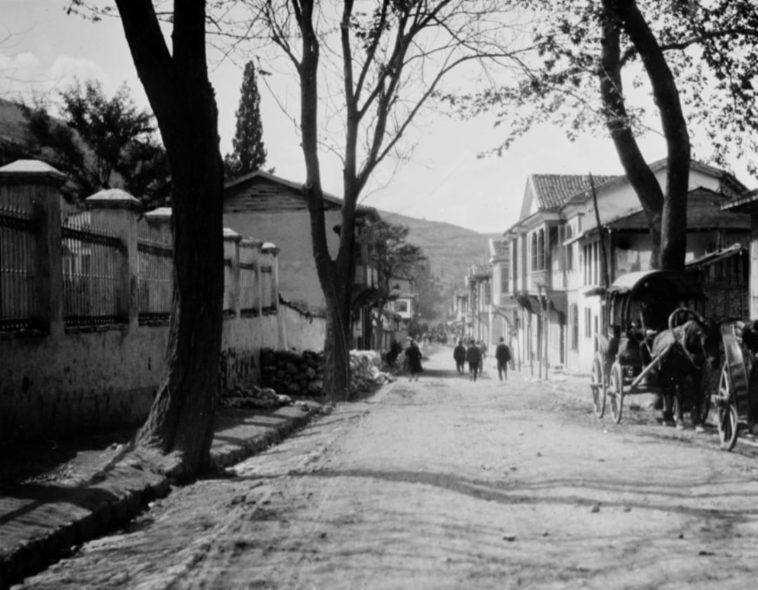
(574,318)
(538,252)
(570,257)
(587,323)
(591,260)
(504,286)
(514,261)
(401,306)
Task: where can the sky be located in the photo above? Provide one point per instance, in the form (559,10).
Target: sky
(43,49)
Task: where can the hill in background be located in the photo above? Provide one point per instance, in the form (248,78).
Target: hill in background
(451,249)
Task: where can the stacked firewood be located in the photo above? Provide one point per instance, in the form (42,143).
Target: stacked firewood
(302,375)
(253,397)
(292,373)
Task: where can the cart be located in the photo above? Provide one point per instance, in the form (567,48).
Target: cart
(638,306)
(732,399)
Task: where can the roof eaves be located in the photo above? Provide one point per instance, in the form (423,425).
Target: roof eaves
(279,180)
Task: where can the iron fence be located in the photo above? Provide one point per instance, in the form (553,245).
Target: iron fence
(92,261)
(155,282)
(19,300)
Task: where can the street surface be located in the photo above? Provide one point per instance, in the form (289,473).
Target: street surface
(444,483)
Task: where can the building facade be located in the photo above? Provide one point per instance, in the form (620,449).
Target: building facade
(275,209)
(572,241)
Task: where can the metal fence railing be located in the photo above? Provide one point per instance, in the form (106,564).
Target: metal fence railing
(155,282)
(92,261)
(19,295)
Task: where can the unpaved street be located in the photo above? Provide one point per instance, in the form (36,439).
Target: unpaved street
(444,483)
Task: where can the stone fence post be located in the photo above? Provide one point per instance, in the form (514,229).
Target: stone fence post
(34,187)
(117,210)
(232,251)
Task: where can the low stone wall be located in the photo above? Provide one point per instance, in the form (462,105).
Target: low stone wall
(57,386)
(301,329)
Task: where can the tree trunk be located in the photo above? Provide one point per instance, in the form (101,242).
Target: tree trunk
(666,95)
(181,418)
(637,171)
(667,215)
(337,354)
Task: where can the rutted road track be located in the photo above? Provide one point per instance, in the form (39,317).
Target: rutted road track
(444,483)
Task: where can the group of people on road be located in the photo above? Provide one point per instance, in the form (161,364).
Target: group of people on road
(475,354)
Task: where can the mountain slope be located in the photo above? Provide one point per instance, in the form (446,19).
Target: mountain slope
(451,249)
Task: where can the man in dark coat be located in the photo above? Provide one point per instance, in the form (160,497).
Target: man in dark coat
(459,354)
(413,356)
(503,356)
(474,358)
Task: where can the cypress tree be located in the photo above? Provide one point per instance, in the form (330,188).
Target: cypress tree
(249,153)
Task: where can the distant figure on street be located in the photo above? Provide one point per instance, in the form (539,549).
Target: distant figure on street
(459,354)
(483,348)
(503,356)
(413,356)
(474,358)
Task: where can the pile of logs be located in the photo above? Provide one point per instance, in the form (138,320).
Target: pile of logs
(302,374)
(292,373)
(254,397)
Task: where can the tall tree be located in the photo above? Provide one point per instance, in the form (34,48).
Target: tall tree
(393,258)
(180,423)
(249,153)
(100,142)
(389,63)
(392,255)
(587,54)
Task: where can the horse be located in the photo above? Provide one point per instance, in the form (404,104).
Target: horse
(689,360)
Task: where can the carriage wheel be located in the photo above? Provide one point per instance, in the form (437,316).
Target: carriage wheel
(598,386)
(726,412)
(616,392)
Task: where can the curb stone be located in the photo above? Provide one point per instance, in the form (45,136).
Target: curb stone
(40,523)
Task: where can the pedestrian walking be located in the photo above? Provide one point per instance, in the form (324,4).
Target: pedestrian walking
(459,354)
(413,356)
(503,356)
(474,358)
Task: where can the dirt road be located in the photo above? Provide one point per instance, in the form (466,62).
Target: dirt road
(444,483)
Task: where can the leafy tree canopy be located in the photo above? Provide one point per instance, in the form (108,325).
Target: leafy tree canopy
(101,142)
(711,47)
(392,256)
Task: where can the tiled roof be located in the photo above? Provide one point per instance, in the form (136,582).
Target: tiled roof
(553,190)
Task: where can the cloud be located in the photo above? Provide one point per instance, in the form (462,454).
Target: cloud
(66,70)
(18,65)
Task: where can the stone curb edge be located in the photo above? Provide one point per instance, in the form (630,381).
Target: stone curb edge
(96,517)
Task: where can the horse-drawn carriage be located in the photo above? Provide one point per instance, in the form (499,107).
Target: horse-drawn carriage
(734,401)
(656,341)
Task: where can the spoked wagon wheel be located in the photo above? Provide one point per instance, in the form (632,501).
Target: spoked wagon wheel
(598,386)
(616,392)
(726,412)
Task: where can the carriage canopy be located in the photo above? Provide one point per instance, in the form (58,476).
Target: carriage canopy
(648,297)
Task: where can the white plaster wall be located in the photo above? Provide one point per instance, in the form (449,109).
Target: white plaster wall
(55,387)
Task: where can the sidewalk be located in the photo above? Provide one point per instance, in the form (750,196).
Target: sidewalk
(91,493)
